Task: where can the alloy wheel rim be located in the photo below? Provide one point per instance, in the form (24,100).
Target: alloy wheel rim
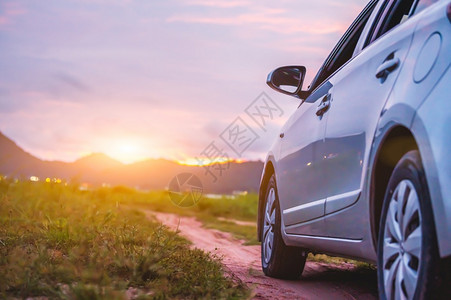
(402,244)
(268,226)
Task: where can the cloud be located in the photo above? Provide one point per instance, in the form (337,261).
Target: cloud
(218,3)
(272,19)
(264,21)
(72,82)
(174,73)
(9,10)
(214,128)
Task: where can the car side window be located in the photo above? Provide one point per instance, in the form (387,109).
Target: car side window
(344,50)
(395,12)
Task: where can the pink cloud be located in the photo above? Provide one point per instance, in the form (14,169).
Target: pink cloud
(269,20)
(143,78)
(8,11)
(219,3)
(299,19)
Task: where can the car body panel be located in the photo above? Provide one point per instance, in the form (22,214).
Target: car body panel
(426,103)
(338,202)
(414,98)
(300,161)
(349,139)
(432,128)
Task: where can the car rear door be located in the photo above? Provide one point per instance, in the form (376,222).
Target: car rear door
(360,91)
(301,167)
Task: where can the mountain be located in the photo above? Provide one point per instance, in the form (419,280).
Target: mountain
(15,161)
(97,161)
(97,169)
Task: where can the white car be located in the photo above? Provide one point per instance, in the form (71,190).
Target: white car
(362,169)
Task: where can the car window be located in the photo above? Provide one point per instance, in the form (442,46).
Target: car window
(344,50)
(395,12)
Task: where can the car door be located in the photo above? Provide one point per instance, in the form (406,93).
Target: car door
(360,90)
(302,167)
(300,171)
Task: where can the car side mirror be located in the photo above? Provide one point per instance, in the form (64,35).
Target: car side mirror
(287,80)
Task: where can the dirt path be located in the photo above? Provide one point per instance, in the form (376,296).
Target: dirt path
(319,281)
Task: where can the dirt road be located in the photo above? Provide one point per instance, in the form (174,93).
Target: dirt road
(318,281)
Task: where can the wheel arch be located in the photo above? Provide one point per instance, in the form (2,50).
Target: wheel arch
(268,171)
(396,142)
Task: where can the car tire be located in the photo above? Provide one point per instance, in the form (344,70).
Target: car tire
(408,260)
(278,259)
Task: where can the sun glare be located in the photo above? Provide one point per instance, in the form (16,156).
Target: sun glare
(205,162)
(127,151)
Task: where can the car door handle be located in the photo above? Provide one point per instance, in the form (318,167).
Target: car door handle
(323,106)
(387,67)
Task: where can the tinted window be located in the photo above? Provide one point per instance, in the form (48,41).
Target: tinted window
(346,51)
(345,47)
(395,13)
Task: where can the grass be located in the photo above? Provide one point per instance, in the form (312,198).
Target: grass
(243,207)
(241,232)
(62,243)
(323,258)
(211,212)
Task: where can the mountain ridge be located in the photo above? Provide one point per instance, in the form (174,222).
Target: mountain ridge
(98,168)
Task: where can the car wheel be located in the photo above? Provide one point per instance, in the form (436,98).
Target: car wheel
(278,259)
(408,261)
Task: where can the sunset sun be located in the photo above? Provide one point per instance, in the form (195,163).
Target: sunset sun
(127,151)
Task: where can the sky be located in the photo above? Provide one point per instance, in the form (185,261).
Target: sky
(155,79)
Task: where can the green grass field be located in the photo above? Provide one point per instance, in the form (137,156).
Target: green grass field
(217,213)
(60,242)
(63,243)
(213,213)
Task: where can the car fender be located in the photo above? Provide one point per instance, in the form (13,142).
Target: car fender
(270,160)
(431,127)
